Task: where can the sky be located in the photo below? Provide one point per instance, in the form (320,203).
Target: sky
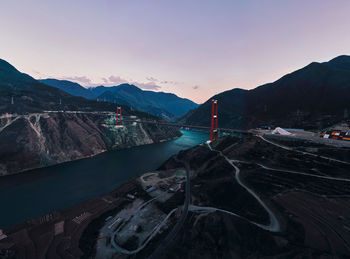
(194,49)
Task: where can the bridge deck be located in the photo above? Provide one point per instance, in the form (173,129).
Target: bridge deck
(186,125)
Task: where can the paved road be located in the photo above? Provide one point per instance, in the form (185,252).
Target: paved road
(274,225)
(170,237)
(302,152)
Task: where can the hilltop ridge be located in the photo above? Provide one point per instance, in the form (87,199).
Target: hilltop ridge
(312,97)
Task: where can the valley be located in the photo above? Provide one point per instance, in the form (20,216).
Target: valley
(250,193)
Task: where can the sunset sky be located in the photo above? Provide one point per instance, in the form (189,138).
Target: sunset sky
(194,49)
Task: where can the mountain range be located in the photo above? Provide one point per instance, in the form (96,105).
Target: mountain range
(313,97)
(22,94)
(165,105)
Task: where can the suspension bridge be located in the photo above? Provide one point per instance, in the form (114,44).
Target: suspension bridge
(214,130)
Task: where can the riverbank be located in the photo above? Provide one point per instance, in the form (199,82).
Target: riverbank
(39,140)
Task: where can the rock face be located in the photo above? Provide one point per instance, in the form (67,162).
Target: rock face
(42,139)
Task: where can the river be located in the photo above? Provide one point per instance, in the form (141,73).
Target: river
(41,191)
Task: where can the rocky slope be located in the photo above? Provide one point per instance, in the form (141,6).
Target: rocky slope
(313,97)
(43,139)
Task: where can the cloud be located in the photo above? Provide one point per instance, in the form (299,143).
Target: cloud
(155,80)
(117,80)
(83,80)
(151,83)
(36,72)
(78,79)
(148,86)
(113,80)
(39,75)
(170,82)
(195,87)
(152,79)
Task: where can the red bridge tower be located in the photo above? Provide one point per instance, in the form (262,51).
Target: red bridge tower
(214,120)
(118,117)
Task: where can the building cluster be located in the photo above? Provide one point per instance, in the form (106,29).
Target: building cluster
(83,216)
(172,184)
(336,134)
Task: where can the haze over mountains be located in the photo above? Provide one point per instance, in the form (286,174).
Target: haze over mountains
(165,105)
(315,96)
(20,93)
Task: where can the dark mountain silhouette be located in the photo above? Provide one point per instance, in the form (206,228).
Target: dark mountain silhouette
(315,96)
(22,94)
(165,105)
(162,104)
(69,87)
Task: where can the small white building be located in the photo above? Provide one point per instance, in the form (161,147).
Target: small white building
(2,235)
(281,131)
(130,196)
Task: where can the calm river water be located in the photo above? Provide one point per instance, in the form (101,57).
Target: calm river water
(40,191)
